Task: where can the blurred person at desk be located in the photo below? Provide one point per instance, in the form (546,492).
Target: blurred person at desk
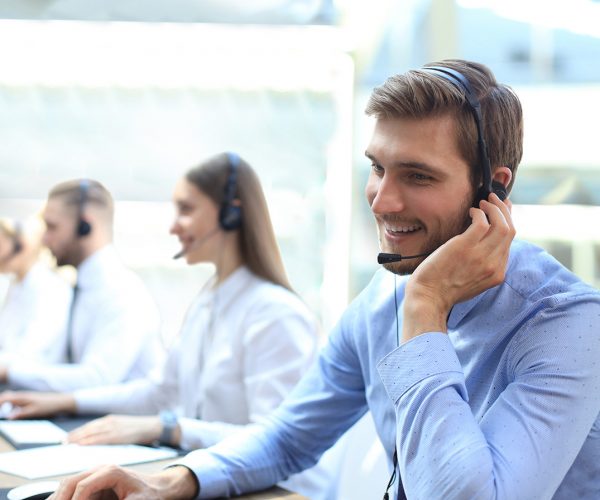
(246,340)
(477,355)
(112,333)
(35,312)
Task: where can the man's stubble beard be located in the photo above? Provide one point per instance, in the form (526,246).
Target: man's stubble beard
(456,226)
(72,256)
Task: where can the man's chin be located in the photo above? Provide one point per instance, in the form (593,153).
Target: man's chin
(403,268)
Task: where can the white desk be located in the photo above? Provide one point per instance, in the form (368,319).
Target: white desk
(9,481)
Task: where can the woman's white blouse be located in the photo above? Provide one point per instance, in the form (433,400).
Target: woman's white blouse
(242,348)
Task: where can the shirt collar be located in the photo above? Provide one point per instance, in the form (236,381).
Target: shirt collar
(460,310)
(94,266)
(231,286)
(30,276)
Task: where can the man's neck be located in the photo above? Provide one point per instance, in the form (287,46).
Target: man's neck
(90,249)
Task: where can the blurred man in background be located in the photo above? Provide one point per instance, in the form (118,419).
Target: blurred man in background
(113,326)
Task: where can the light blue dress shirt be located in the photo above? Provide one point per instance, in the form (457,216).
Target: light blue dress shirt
(505,406)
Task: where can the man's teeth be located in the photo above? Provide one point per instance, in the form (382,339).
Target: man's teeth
(405,229)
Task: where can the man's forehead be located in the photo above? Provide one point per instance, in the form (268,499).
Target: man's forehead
(56,209)
(414,139)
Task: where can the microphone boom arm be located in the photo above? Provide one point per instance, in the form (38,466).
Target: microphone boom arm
(388,258)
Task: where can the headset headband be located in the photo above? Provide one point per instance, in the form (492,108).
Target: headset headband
(462,83)
(231,184)
(230,215)
(83,227)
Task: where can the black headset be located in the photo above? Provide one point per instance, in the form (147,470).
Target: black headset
(230,215)
(17,237)
(487,185)
(83,227)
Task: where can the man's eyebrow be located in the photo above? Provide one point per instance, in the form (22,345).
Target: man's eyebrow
(408,164)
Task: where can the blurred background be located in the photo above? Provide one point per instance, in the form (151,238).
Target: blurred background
(134,92)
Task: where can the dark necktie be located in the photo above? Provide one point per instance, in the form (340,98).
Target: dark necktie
(70,325)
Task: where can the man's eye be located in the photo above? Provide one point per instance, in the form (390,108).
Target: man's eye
(421,177)
(376,168)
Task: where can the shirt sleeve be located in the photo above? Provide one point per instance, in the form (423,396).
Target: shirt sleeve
(328,400)
(136,397)
(511,451)
(145,396)
(196,434)
(124,331)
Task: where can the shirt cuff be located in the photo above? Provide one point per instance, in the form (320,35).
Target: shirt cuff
(213,483)
(193,433)
(424,356)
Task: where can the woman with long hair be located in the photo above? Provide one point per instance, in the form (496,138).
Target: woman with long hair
(246,340)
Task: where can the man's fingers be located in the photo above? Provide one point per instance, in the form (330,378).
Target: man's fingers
(501,226)
(505,208)
(478,228)
(67,486)
(105,478)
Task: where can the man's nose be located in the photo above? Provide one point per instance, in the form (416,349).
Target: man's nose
(387,197)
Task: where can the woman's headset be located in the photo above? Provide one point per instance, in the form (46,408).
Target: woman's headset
(462,83)
(230,215)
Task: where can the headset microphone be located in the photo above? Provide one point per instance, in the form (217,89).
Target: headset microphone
(388,258)
(196,244)
(179,254)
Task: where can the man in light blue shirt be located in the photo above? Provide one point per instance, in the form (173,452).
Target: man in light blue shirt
(480,364)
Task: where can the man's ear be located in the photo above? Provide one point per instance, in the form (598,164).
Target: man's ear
(503,175)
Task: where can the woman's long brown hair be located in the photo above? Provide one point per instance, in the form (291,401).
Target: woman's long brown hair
(258,245)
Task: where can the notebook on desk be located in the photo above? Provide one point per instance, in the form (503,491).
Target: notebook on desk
(41,435)
(65,459)
(29,433)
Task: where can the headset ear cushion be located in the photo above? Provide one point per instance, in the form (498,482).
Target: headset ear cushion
(500,190)
(83,228)
(230,217)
